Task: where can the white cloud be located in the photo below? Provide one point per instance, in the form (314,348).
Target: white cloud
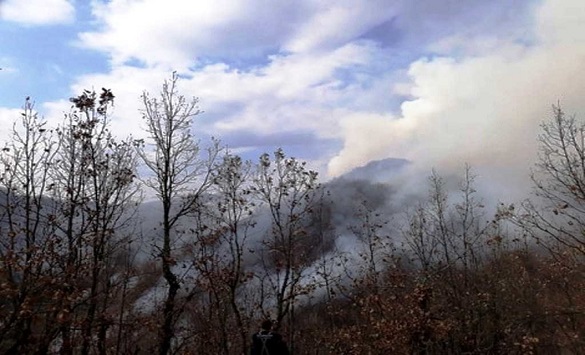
(292,93)
(329,25)
(328,71)
(561,22)
(7,118)
(484,109)
(177,32)
(37,12)
(127,84)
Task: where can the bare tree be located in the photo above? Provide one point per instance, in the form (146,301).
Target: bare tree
(287,189)
(557,216)
(67,195)
(448,237)
(25,243)
(219,251)
(374,244)
(94,177)
(179,178)
(443,233)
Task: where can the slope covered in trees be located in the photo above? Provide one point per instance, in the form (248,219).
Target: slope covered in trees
(85,268)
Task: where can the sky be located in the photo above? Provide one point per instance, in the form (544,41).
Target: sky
(337,83)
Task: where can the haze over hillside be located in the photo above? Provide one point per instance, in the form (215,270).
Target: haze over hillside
(371,177)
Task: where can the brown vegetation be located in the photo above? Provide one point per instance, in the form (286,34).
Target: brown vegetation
(447,279)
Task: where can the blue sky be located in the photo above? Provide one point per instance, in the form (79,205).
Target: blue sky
(337,83)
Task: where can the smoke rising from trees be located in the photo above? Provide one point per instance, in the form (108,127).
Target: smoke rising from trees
(433,267)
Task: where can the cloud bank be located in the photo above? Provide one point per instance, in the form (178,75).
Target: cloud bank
(37,12)
(483,108)
(438,83)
